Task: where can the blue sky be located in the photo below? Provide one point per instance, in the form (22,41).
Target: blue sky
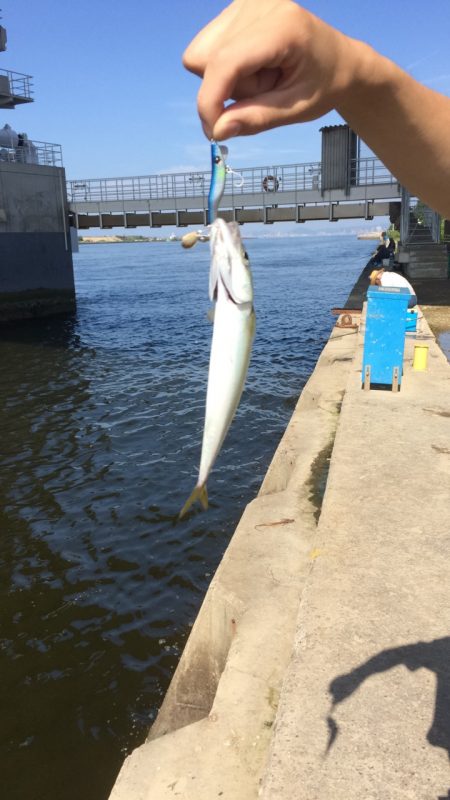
(111,89)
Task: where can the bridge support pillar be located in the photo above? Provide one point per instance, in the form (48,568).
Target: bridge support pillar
(298,214)
(266,219)
(367,214)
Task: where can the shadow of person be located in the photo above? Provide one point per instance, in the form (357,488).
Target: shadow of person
(434,655)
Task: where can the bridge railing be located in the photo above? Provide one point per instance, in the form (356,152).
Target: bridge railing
(371,172)
(20,85)
(249,180)
(33,152)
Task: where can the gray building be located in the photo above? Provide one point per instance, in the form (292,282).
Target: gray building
(36,270)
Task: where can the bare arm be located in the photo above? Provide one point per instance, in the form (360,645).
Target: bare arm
(406,125)
(282,65)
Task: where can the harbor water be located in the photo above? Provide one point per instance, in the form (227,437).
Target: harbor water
(101,423)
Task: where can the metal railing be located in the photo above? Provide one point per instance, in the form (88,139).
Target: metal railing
(421,224)
(371,172)
(33,152)
(20,85)
(250,180)
(433,221)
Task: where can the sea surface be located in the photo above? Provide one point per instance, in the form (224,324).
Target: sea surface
(100,430)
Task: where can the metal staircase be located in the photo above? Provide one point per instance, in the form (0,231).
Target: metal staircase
(428,257)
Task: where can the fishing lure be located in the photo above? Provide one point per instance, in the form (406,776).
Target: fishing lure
(219,171)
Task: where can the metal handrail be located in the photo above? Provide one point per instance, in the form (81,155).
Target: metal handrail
(33,152)
(249,180)
(20,85)
(433,221)
(423,223)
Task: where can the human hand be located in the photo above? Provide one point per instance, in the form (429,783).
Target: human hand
(280,64)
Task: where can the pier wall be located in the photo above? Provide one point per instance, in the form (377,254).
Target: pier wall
(36,270)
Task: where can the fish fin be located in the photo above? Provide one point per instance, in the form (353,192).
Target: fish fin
(200,493)
(210,314)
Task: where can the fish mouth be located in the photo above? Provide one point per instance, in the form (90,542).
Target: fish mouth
(228,234)
(229,264)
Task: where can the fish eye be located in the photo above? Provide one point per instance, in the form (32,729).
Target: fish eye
(217,159)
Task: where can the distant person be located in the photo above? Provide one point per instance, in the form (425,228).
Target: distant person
(391,247)
(20,152)
(381,253)
(392,280)
(281,64)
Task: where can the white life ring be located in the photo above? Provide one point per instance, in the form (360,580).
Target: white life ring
(270,184)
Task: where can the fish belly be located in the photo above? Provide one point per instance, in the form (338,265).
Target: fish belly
(230,355)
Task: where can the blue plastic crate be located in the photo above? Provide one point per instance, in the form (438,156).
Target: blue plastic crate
(384,340)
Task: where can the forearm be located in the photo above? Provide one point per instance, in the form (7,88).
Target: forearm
(406,124)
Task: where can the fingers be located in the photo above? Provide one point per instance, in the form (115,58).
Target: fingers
(216,89)
(238,72)
(254,116)
(199,51)
(274,58)
(282,106)
(253,86)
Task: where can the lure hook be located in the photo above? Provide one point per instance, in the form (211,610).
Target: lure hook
(238,175)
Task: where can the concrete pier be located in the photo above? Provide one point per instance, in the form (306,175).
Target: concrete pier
(365,705)
(319,664)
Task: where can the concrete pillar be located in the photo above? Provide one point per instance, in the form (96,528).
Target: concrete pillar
(36,270)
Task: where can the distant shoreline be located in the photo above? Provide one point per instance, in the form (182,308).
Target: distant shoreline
(370,235)
(125,239)
(271,237)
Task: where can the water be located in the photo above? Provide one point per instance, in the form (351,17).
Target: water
(444,343)
(101,421)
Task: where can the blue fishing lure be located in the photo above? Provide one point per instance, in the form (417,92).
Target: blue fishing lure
(219,171)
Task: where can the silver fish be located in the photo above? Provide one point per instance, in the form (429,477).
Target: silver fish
(230,286)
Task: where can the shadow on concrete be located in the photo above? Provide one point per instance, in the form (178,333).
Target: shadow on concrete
(434,655)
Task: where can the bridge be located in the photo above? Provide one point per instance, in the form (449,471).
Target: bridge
(364,188)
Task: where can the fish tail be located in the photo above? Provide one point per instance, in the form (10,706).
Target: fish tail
(200,493)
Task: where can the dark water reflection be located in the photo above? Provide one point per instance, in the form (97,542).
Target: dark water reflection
(101,420)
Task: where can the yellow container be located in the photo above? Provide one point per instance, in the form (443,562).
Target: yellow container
(420,357)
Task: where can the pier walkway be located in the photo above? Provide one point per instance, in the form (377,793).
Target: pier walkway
(319,664)
(268,194)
